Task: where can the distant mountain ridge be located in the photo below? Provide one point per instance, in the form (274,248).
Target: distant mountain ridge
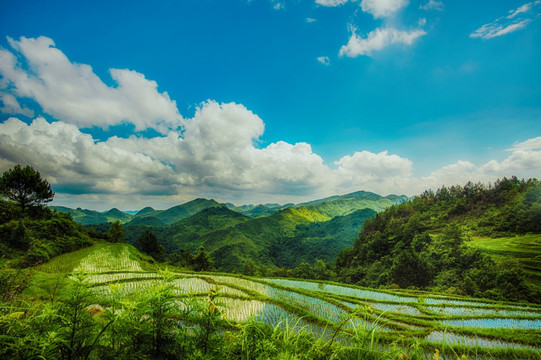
(271,235)
(338,205)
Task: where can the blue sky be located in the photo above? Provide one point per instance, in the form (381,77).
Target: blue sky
(129,104)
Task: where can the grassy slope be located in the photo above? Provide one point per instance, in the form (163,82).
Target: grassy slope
(49,278)
(521,250)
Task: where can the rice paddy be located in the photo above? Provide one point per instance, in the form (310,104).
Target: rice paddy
(399,317)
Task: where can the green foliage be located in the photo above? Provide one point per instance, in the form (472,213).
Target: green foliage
(148,244)
(422,243)
(25,186)
(116,233)
(202,260)
(39,235)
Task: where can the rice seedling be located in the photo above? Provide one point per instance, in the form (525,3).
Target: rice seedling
(249,285)
(240,310)
(105,260)
(396,308)
(121,276)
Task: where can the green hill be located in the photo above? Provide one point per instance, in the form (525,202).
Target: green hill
(286,238)
(470,240)
(90,217)
(188,232)
(349,203)
(117,215)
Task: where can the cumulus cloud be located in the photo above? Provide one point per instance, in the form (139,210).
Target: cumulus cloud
(377,40)
(72,93)
(217,156)
(74,163)
(216,153)
(383,8)
(376,172)
(516,19)
(433,5)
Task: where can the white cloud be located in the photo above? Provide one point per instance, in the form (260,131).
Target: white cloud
(75,163)
(521,9)
(493,30)
(433,5)
(517,19)
(531,144)
(310,20)
(368,168)
(73,93)
(331,3)
(383,8)
(217,157)
(12,106)
(421,22)
(324,60)
(377,40)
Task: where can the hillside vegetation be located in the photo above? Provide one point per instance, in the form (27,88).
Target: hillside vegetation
(37,234)
(440,241)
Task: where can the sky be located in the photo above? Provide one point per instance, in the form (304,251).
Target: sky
(133,104)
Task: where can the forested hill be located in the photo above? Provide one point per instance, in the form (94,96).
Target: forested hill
(431,242)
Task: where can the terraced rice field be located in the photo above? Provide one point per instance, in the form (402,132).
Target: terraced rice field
(407,319)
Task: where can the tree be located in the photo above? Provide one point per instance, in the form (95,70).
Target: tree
(202,260)
(148,243)
(116,232)
(25,186)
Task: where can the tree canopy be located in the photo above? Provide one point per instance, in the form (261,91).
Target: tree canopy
(25,186)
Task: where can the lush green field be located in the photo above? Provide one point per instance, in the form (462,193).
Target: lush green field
(399,322)
(524,250)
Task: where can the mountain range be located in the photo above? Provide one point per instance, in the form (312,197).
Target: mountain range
(271,235)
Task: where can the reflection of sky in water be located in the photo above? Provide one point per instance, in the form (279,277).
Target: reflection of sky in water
(479,311)
(496,323)
(342,290)
(454,339)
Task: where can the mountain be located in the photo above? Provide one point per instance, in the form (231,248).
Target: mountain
(145,211)
(318,240)
(286,238)
(349,203)
(89,217)
(271,234)
(254,211)
(188,232)
(115,214)
(147,216)
(338,205)
(179,212)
